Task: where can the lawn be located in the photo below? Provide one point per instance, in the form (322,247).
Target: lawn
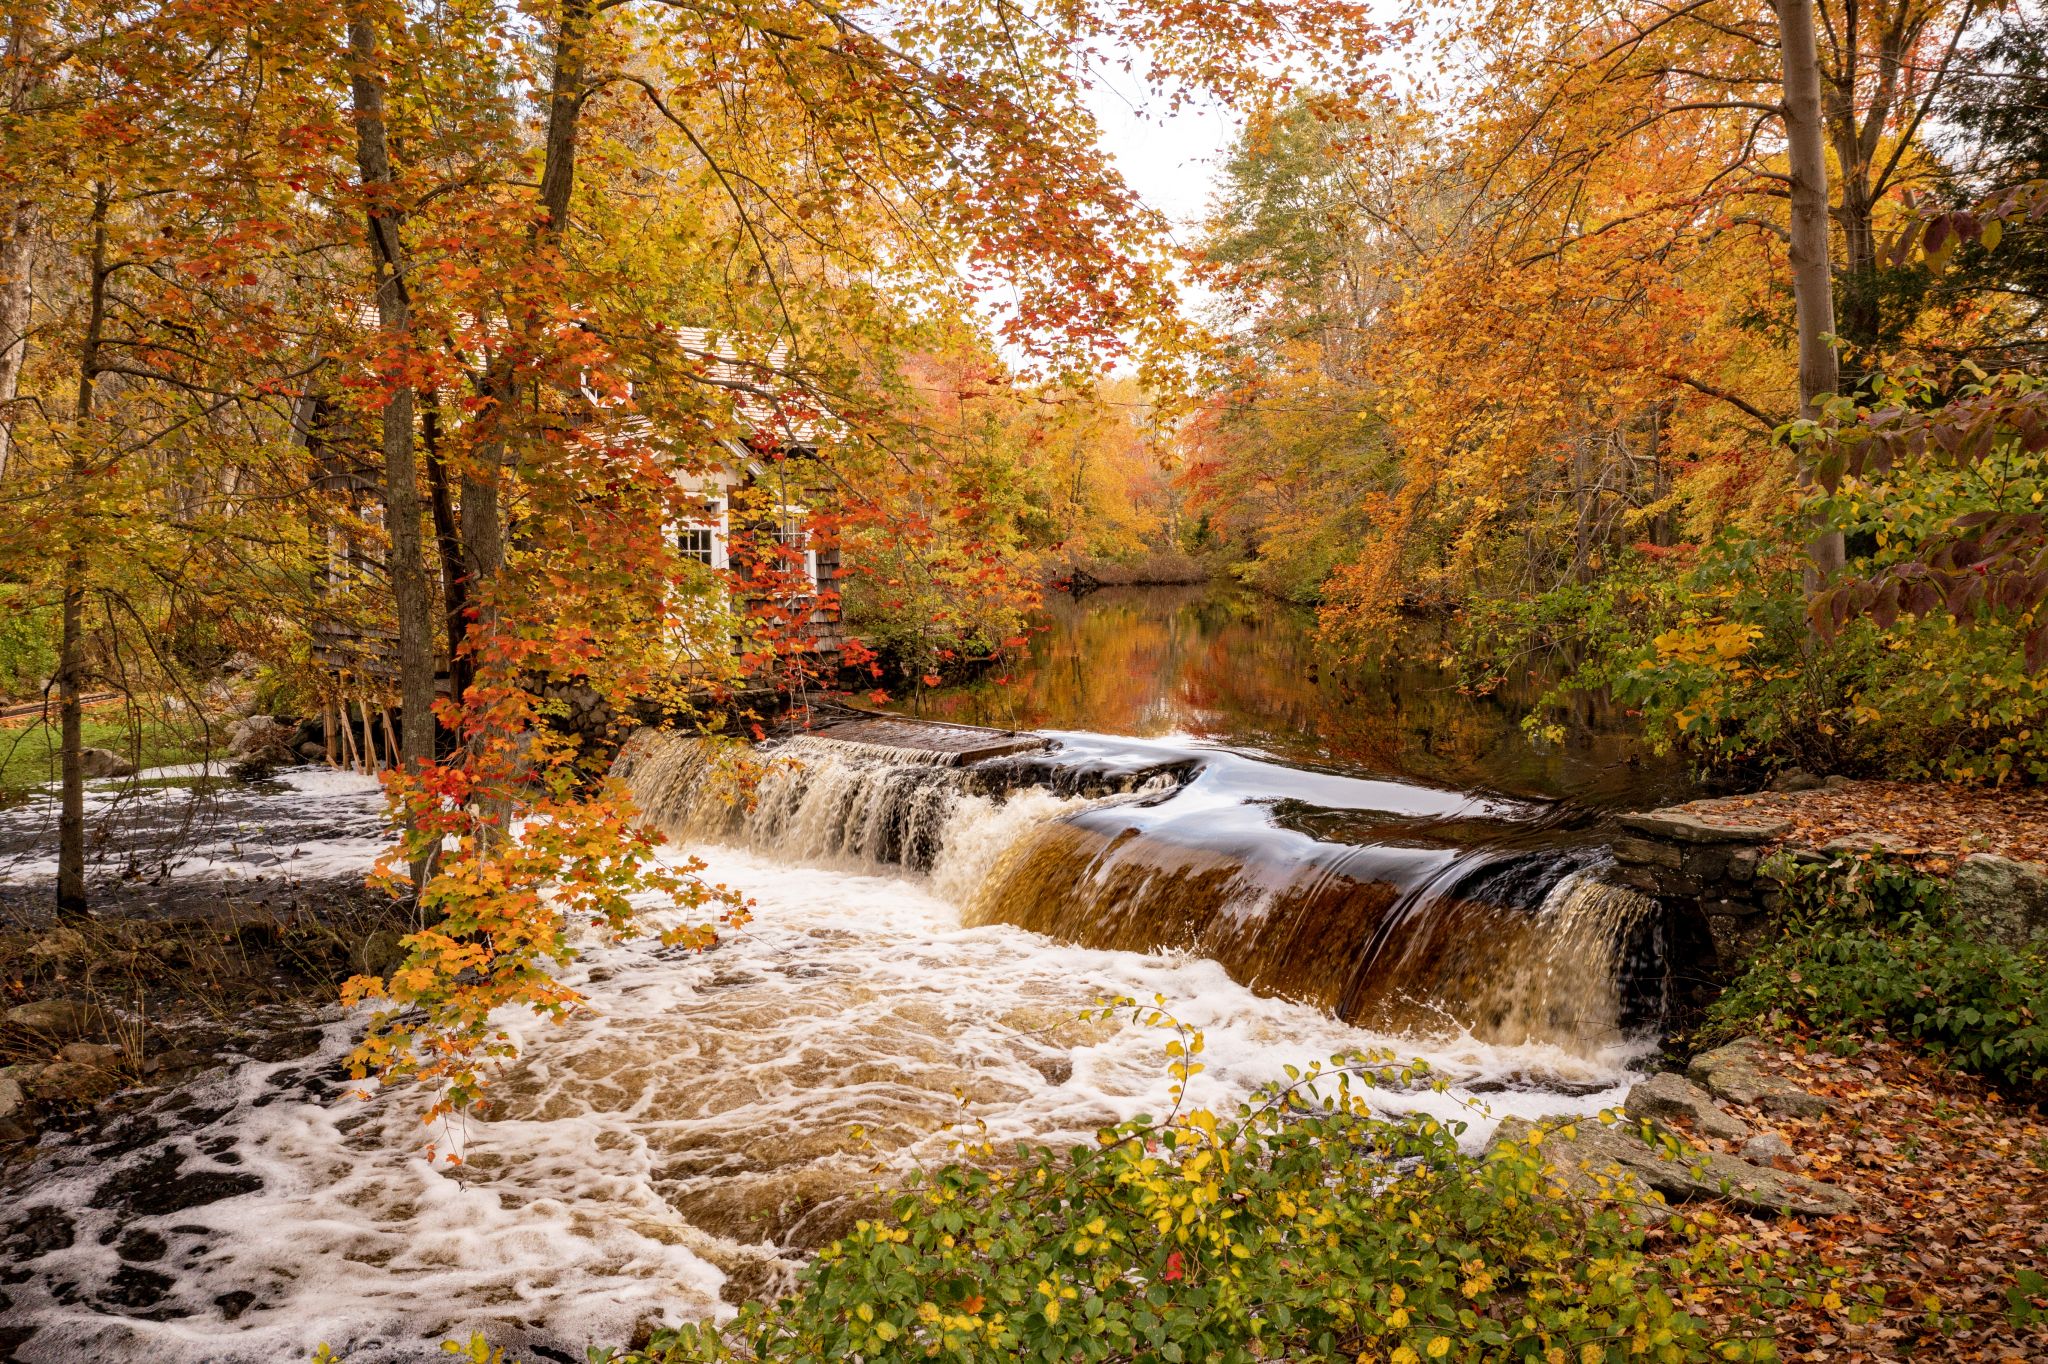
(28,750)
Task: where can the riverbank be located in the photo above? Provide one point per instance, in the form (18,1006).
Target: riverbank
(1943,1242)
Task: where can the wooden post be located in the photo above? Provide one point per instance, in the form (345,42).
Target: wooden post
(369,737)
(390,738)
(348,737)
(327,729)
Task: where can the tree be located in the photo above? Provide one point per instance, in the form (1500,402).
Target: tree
(816,163)
(139,134)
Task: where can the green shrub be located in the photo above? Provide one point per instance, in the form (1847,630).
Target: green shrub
(1872,943)
(1304,1228)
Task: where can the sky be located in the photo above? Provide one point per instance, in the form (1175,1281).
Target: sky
(1171,160)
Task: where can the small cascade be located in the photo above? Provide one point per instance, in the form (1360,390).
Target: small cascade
(1507,975)
(812,800)
(1418,930)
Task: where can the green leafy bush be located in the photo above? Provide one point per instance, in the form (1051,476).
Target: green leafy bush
(1714,645)
(1303,1228)
(1869,943)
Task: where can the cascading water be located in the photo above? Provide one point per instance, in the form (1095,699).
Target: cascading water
(1393,913)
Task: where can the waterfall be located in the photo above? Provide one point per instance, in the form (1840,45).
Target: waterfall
(1405,935)
(813,800)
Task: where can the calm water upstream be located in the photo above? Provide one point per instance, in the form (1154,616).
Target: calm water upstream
(1231,667)
(1301,862)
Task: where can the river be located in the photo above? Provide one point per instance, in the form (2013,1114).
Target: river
(1301,862)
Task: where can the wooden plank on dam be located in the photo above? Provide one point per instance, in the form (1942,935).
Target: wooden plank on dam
(962,744)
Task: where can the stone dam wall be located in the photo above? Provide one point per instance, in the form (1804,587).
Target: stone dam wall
(1716,867)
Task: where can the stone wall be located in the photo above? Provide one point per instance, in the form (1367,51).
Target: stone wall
(1711,866)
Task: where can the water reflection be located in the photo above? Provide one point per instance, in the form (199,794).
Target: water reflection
(1235,668)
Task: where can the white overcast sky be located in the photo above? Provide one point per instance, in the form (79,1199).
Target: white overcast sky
(1170,159)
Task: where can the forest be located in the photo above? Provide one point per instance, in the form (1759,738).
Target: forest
(678,682)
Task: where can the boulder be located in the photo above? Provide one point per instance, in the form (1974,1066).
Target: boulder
(179,1059)
(1662,1098)
(2007,900)
(75,1082)
(91,1054)
(1768,1148)
(1707,824)
(104,762)
(380,952)
(1598,1161)
(261,739)
(63,1019)
(1736,1073)
(17,1110)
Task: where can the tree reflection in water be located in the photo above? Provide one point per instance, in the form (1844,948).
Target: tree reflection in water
(1232,667)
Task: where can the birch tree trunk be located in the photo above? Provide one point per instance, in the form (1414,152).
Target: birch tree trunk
(17,266)
(1813,290)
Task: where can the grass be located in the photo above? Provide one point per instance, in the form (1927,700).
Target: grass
(28,752)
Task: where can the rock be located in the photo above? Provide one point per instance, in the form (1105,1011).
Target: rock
(91,1054)
(261,739)
(286,1046)
(75,1082)
(1737,938)
(104,762)
(1767,1148)
(1602,1162)
(2006,900)
(135,1287)
(17,1111)
(59,1018)
(154,1188)
(1736,1073)
(41,1231)
(233,1304)
(380,952)
(139,1246)
(312,750)
(1648,851)
(1662,1098)
(179,1059)
(1707,825)
(1796,779)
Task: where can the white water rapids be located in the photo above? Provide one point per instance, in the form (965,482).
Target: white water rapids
(686,1139)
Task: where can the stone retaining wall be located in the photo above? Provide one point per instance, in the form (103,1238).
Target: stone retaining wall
(1711,866)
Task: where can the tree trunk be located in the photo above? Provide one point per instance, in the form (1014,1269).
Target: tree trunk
(71,899)
(407,566)
(448,540)
(1812,285)
(17,265)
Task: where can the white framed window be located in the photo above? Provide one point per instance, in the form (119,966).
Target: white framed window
(706,541)
(792,535)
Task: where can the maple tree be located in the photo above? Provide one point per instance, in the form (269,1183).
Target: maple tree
(817,165)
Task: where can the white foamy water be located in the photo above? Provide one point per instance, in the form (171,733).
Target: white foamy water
(306,823)
(709,1119)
